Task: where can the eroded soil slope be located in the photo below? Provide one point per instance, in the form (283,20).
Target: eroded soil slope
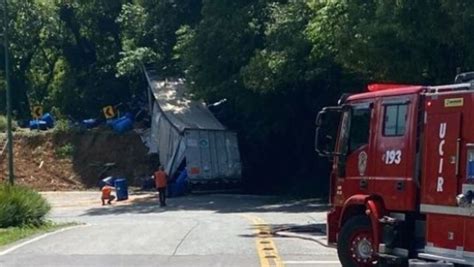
(70,161)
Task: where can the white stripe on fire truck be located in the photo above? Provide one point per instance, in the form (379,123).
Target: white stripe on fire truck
(448,210)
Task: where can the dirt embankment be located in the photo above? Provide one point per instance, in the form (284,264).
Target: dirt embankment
(72,161)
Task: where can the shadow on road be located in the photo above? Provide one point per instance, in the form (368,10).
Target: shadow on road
(215,203)
(313,229)
(315,232)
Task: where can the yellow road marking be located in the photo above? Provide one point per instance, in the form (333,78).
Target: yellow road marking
(266,248)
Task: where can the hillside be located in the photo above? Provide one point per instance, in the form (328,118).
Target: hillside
(51,161)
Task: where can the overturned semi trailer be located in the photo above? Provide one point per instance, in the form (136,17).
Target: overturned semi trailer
(186,134)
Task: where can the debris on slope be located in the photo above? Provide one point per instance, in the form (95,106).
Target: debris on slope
(49,161)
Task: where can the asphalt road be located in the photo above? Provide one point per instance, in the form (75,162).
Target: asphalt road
(197,230)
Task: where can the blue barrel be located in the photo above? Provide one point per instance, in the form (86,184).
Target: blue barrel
(129,115)
(48,118)
(110,122)
(110,180)
(121,188)
(178,188)
(38,124)
(122,125)
(90,123)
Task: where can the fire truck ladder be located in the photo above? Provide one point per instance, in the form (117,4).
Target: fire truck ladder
(450,88)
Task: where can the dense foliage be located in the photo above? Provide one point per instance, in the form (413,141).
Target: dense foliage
(21,206)
(277,62)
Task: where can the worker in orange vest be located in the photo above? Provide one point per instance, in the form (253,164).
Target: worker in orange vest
(161,181)
(107,194)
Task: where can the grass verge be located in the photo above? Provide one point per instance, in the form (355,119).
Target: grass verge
(12,234)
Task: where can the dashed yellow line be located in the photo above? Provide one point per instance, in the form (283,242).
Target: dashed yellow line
(266,248)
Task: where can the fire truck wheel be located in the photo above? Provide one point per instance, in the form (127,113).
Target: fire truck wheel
(355,243)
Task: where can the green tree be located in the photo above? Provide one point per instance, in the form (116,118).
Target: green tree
(91,50)
(148,34)
(402,41)
(258,56)
(33,32)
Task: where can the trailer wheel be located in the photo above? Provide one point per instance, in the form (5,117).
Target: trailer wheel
(355,246)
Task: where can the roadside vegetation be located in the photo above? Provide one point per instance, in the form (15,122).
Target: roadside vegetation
(62,126)
(3,124)
(65,151)
(22,213)
(20,206)
(12,234)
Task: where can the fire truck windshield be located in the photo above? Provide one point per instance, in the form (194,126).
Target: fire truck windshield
(353,133)
(342,147)
(354,129)
(360,126)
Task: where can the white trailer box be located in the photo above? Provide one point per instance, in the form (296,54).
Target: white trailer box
(184,131)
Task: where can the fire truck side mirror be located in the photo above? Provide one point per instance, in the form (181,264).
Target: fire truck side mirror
(320,118)
(321,137)
(322,141)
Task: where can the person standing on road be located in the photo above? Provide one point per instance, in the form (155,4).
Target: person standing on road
(161,181)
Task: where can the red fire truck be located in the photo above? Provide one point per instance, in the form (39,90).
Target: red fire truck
(402,179)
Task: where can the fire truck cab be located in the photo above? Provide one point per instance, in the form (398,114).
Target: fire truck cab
(402,178)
